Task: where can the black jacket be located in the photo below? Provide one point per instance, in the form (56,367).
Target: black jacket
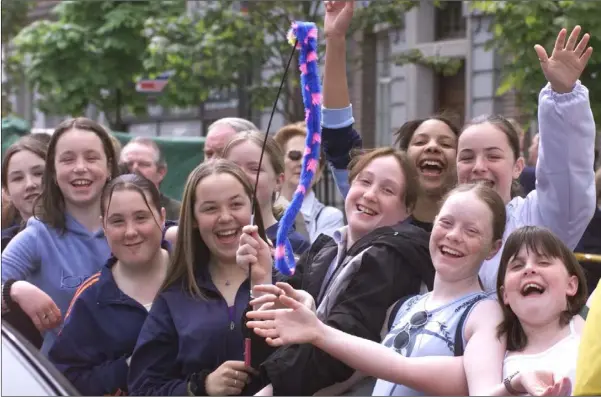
(394,262)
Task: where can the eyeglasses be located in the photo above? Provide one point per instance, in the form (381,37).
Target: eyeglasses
(295,155)
(418,320)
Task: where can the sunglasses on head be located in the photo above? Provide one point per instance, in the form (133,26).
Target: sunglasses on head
(295,155)
(418,320)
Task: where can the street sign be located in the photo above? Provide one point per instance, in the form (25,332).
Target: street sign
(155,85)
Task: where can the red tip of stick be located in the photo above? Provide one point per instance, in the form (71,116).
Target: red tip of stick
(247,352)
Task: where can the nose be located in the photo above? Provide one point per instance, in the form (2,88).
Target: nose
(479,165)
(225,216)
(130,230)
(80,165)
(453,234)
(529,268)
(32,182)
(370,193)
(432,147)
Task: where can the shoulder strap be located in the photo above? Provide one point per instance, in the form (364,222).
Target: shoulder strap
(584,312)
(395,309)
(459,331)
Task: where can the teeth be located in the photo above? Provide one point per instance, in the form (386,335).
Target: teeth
(534,286)
(226,233)
(365,210)
(81,182)
(450,251)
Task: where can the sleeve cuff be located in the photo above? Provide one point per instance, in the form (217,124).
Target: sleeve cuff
(337,118)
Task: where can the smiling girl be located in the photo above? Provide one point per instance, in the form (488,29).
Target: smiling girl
(22,169)
(542,288)
(358,274)
(244,149)
(192,341)
(63,244)
(91,351)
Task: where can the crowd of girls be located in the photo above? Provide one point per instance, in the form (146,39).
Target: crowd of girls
(439,260)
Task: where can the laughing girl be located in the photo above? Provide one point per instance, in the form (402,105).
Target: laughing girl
(63,244)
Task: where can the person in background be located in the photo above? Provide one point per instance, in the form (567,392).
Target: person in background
(319,218)
(590,243)
(192,341)
(244,149)
(221,132)
(528,175)
(588,368)
(431,143)
(143,155)
(22,169)
(90,350)
(63,243)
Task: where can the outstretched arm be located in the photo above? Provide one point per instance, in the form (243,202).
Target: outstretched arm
(432,375)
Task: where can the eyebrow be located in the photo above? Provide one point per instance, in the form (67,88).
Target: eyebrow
(237,196)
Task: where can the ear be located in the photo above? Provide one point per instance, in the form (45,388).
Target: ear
(494,249)
(572,287)
(5,195)
(279,182)
(162,171)
(163,217)
(518,167)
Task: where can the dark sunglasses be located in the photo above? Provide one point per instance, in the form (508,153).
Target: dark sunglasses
(418,320)
(295,155)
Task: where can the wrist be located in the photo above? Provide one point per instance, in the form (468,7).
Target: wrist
(14,291)
(562,89)
(320,335)
(197,385)
(335,40)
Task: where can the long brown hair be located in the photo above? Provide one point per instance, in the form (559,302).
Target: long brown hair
(50,206)
(30,143)
(542,242)
(190,250)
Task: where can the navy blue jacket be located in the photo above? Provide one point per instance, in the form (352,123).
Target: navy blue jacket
(184,335)
(100,332)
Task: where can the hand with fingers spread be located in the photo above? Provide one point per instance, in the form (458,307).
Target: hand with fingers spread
(567,60)
(338,18)
(37,305)
(268,296)
(229,379)
(542,383)
(253,251)
(295,325)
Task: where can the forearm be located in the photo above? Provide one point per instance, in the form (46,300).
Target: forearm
(431,375)
(335,84)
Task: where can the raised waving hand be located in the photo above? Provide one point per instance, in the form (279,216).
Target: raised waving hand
(567,60)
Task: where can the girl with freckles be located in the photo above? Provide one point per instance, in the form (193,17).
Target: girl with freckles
(63,243)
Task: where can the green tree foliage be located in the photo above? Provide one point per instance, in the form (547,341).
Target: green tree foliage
(519,25)
(14,18)
(91,54)
(224,45)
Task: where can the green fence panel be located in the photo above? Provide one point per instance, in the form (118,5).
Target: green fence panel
(13,128)
(182,156)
